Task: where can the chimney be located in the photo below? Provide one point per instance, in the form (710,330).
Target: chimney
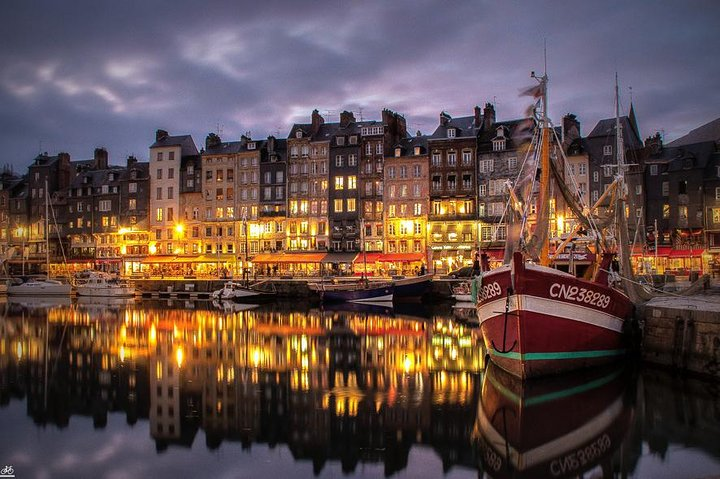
(477,117)
(160,135)
(488,116)
(212,141)
(654,144)
(271,144)
(131,162)
(570,128)
(346,117)
(444,119)
(101,159)
(317,120)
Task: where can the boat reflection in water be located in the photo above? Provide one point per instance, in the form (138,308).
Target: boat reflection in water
(553,427)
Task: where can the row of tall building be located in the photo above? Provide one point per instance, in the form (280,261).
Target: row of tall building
(311,202)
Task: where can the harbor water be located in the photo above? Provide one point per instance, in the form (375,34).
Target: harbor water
(128,389)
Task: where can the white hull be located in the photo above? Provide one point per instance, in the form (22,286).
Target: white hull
(106,291)
(40,288)
(376,299)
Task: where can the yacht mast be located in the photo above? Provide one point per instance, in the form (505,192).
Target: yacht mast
(47,231)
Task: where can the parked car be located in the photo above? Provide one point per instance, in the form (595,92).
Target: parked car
(464,272)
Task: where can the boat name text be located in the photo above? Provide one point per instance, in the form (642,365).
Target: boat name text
(490,291)
(579,295)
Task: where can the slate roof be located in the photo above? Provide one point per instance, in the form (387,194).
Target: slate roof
(606,129)
(186,143)
(517,131)
(408,145)
(675,157)
(464,125)
(708,132)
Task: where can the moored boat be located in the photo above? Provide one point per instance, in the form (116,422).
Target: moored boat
(358,292)
(411,287)
(40,287)
(538,320)
(100,284)
(236,291)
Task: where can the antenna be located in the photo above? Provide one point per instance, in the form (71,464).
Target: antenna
(545,53)
(39,147)
(361,115)
(631,95)
(219,129)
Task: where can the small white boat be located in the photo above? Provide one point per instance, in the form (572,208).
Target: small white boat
(461,292)
(235,291)
(99,284)
(40,287)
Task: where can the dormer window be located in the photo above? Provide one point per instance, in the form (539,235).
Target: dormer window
(298,134)
(417,150)
(501,132)
(451,132)
(398,152)
(353,140)
(111,177)
(251,145)
(340,140)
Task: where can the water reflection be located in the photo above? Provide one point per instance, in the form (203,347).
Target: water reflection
(343,387)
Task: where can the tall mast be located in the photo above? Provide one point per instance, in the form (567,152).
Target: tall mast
(47,231)
(543,207)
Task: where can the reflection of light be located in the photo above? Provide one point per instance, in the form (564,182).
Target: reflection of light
(453,354)
(153,334)
(123,332)
(152,249)
(19,351)
(122,353)
(256,357)
(179,357)
(304,363)
(407,363)
(380,344)
(303,343)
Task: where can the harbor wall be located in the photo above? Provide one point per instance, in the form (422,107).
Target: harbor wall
(684,334)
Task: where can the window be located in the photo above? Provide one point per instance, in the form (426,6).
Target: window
(417,209)
(159,214)
(208,175)
(595,195)
(607,171)
(338,160)
(665,188)
(596,176)
(159,174)
(482,189)
(379,149)
(132,187)
(717,193)
(391,172)
(436,183)
(160,156)
(716,215)
(132,204)
(170,216)
(582,169)
(638,189)
(436,159)
(352,182)
(467,181)
(607,150)
(352,159)
(104,205)
(171,173)
(682,212)
(339,183)
(351,204)
(666,211)
(467,158)
(499,145)
(340,140)
(171,155)
(417,171)
(158,193)
(682,187)
(653,170)
(452,158)
(338,205)
(451,132)
(486,166)
(451,184)
(170,193)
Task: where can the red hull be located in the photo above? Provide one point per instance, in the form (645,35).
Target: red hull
(554,321)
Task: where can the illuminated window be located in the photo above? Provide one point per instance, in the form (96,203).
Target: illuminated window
(339,182)
(351,204)
(159,214)
(352,182)
(338,205)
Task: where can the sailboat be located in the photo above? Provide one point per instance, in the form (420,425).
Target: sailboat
(538,320)
(46,286)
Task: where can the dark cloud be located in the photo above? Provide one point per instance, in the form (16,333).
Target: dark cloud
(86,74)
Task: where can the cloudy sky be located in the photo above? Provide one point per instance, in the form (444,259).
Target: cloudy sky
(88,73)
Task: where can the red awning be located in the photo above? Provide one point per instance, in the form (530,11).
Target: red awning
(401,257)
(369,257)
(685,253)
(494,254)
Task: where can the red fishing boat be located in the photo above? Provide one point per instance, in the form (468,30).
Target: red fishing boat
(538,320)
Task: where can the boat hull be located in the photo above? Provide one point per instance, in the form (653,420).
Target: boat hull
(412,287)
(40,288)
(538,321)
(106,292)
(358,295)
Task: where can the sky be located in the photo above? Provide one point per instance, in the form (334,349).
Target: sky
(84,74)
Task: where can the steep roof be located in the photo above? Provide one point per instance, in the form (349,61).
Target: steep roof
(465,126)
(708,132)
(677,157)
(606,129)
(186,143)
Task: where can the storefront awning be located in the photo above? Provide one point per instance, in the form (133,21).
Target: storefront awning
(367,257)
(339,258)
(158,259)
(207,258)
(686,253)
(289,258)
(401,257)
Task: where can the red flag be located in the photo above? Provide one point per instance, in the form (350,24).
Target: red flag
(534,91)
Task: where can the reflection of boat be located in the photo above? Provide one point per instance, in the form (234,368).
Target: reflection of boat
(411,286)
(538,320)
(555,427)
(235,291)
(358,292)
(105,301)
(45,302)
(380,307)
(100,284)
(229,306)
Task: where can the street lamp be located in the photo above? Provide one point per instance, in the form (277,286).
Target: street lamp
(20,231)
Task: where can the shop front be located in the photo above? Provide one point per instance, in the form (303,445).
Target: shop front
(288,264)
(402,263)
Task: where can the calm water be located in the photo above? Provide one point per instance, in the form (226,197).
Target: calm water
(175,389)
